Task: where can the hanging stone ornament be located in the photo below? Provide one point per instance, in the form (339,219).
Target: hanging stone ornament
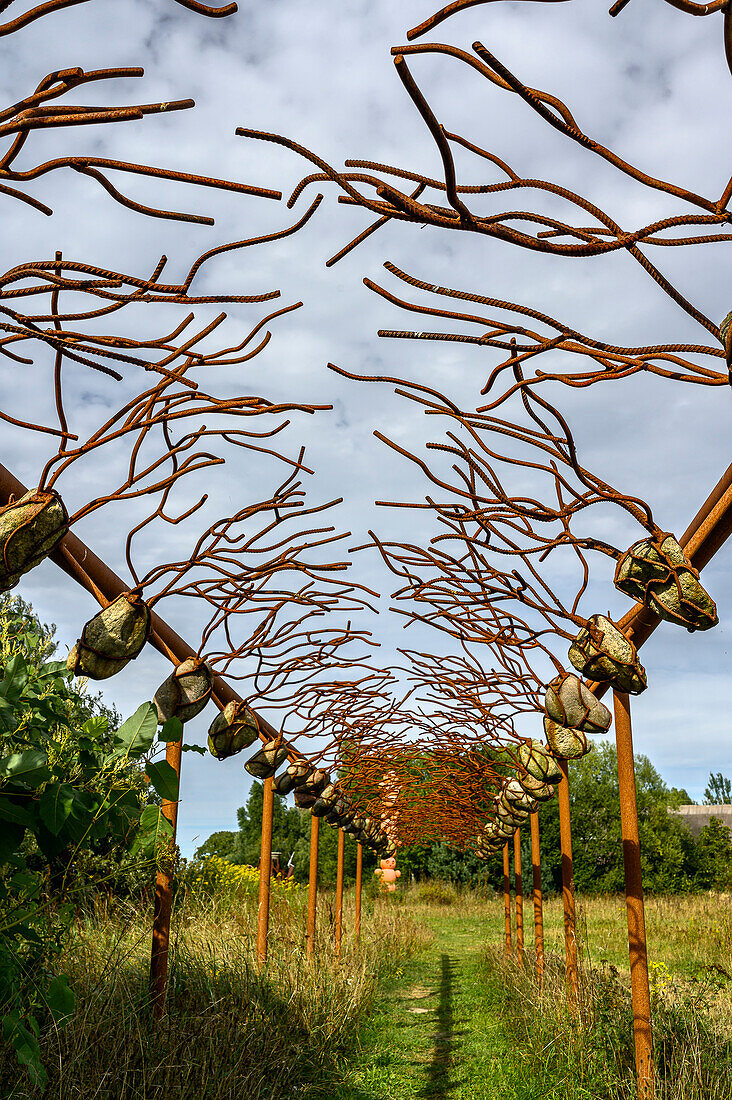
(325,801)
(304,799)
(30,528)
(535,788)
(112,638)
(658,573)
(566,741)
(186,691)
(539,762)
(233,729)
(265,763)
(570,703)
(602,652)
(516,796)
(294,775)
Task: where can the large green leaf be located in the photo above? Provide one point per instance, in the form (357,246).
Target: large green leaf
(60,999)
(164,779)
(172,729)
(57,802)
(15,677)
(11,836)
(135,736)
(30,767)
(154,827)
(15,812)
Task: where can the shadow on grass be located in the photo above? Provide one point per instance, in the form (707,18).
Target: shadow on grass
(438,1085)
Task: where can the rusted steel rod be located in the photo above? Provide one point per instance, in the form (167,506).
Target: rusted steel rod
(538,898)
(339,892)
(570,923)
(359,878)
(637,944)
(506,900)
(312,885)
(519,886)
(265,873)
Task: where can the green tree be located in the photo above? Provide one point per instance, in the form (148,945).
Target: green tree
(71,788)
(718,790)
(667,847)
(220,844)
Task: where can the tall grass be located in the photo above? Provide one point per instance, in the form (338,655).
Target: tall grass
(230,1030)
(590,1052)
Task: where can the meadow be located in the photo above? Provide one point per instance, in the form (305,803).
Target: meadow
(426,1005)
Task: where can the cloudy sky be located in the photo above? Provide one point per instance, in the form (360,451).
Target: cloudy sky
(652,84)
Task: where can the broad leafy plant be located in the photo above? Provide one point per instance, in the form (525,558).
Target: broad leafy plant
(71,786)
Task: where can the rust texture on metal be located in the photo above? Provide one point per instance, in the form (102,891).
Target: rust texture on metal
(359,887)
(338,927)
(506,900)
(519,888)
(637,941)
(568,902)
(265,873)
(538,898)
(312,886)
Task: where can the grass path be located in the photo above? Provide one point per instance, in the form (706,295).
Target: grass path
(438,1033)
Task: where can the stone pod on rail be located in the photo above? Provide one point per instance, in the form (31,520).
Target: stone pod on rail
(304,798)
(602,652)
(509,814)
(535,788)
(294,775)
(657,572)
(514,794)
(30,528)
(565,741)
(112,638)
(539,762)
(233,729)
(325,801)
(570,703)
(185,692)
(265,763)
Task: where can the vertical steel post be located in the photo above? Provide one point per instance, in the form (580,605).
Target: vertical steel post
(570,924)
(538,899)
(507,899)
(637,945)
(164,897)
(339,892)
(359,878)
(519,886)
(265,872)
(312,884)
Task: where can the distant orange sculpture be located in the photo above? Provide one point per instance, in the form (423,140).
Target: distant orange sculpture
(388,874)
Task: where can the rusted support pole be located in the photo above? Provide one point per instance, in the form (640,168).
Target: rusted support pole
(339,892)
(359,878)
(507,900)
(538,899)
(312,885)
(637,945)
(570,923)
(519,886)
(265,872)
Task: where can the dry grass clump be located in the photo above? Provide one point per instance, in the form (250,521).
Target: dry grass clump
(591,1051)
(230,1029)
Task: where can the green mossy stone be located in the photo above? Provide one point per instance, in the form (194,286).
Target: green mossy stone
(185,692)
(536,788)
(268,760)
(516,796)
(565,741)
(539,762)
(602,652)
(111,639)
(30,528)
(233,729)
(662,577)
(570,703)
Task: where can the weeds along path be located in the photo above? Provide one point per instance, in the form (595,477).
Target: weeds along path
(438,1032)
